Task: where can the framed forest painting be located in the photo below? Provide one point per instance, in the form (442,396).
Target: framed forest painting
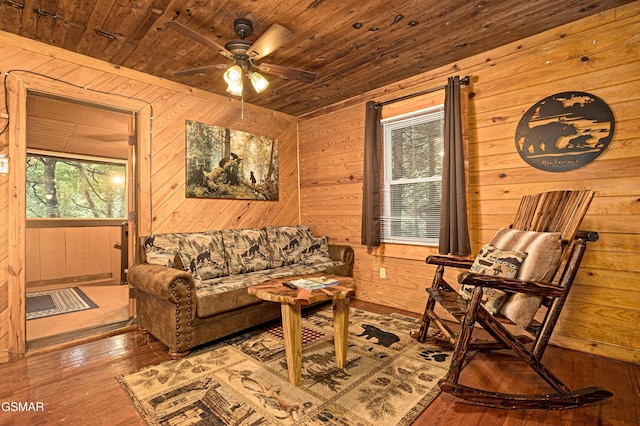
(226,163)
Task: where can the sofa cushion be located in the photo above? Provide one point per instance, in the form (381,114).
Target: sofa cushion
(202,254)
(246,250)
(316,252)
(161,249)
(221,294)
(284,243)
(498,263)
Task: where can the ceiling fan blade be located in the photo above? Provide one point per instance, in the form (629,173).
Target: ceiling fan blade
(268,42)
(200,69)
(286,72)
(176,26)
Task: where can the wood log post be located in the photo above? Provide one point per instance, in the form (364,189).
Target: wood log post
(431,302)
(340,329)
(292,327)
(460,352)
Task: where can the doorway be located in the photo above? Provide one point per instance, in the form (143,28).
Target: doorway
(78,158)
(18,90)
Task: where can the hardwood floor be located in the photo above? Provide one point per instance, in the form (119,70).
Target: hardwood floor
(76,385)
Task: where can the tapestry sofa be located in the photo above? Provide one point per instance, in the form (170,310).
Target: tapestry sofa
(191,288)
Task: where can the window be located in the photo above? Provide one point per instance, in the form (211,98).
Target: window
(412,175)
(64,187)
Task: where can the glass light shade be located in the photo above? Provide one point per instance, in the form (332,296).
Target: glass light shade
(258,82)
(235,89)
(233,75)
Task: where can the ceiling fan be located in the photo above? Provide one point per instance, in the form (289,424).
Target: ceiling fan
(244,53)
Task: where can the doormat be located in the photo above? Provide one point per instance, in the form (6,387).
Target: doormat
(47,303)
(389,378)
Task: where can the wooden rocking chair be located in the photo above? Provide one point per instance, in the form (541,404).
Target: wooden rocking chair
(538,216)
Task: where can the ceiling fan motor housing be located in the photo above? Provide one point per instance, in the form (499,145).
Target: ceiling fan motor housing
(238,48)
(243,27)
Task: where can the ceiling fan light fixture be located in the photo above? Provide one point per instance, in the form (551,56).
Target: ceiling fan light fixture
(235,89)
(258,82)
(233,75)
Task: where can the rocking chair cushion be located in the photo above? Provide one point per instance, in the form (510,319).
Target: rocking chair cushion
(498,263)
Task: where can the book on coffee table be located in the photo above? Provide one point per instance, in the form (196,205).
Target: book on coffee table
(314,283)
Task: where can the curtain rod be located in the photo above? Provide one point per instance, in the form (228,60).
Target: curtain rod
(463,80)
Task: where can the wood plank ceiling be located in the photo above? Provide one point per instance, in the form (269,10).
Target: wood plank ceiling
(353,46)
(73,128)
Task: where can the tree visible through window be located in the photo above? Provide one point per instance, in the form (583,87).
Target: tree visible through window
(413,155)
(72,188)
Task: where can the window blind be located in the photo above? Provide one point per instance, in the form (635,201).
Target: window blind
(412,176)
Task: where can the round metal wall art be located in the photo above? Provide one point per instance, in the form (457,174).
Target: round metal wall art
(564,131)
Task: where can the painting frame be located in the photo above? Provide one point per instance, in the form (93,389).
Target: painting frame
(224,163)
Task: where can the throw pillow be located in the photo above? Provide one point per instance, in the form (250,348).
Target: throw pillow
(317,252)
(306,237)
(246,250)
(202,254)
(545,249)
(498,263)
(161,249)
(284,242)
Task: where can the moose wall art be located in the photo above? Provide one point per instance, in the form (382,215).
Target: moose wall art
(226,163)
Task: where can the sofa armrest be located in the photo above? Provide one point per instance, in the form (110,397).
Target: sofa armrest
(343,253)
(173,285)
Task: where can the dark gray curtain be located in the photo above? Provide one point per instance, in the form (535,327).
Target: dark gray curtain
(454,230)
(371,179)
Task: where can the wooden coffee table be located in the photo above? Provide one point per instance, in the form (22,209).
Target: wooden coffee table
(291,301)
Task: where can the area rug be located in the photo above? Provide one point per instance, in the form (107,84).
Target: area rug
(47,303)
(388,379)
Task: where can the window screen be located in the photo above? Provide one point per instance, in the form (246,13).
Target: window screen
(62,187)
(412,177)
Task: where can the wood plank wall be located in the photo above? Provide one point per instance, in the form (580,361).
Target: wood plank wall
(164,189)
(79,253)
(598,55)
